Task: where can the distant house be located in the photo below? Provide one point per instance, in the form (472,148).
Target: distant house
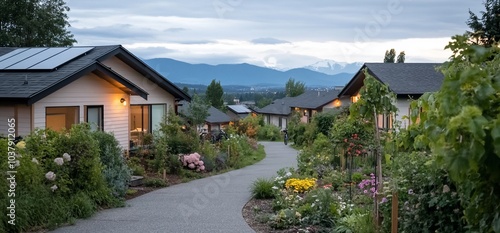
(237,112)
(406,80)
(215,120)
(278,112)
(106,86)
(309,103)
(312,102)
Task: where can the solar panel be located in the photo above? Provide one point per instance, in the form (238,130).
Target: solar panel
(19,57)
(35,59)
(60,58)
(239,108)
(12,53)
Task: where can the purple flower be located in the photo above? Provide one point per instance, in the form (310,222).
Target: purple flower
(410,191)
(384,200)
(366,191)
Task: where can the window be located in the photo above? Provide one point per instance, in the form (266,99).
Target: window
(95,117)
(59,118)
(145,119)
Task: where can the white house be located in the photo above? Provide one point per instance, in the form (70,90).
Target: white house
(106,86)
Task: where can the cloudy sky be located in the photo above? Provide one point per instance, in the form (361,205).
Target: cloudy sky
(281,34)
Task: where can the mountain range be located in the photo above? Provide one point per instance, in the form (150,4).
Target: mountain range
(245,74)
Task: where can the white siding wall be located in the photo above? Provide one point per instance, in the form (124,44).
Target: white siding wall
(22,114)
(90,90)
(403,106)
(6,112)
(157,95)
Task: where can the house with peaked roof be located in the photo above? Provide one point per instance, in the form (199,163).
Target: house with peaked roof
(312,102)
(309,103)
(407,80)
(278,112)
(216,119)
(238,111)
(106,86)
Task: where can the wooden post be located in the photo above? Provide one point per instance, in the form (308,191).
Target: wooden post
(394,212)
(164,174)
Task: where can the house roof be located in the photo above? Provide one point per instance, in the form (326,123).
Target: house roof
(30,85)
(215,115)
(314,99)
(239,109)
(401,78)
(278,107)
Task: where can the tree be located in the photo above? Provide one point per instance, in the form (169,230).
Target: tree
(390,56)
(185,90)
(34,23)
(401,57)
(486,30)
(294,88)
(214,94)
(197,111)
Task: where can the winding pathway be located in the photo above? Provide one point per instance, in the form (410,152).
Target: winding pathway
(211,204)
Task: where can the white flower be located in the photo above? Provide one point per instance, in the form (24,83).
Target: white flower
(66,157)
(17,163)
(288,174)
(446,188)
(53,188)
(34,160)
(50,176)
(59,161)
(274,187)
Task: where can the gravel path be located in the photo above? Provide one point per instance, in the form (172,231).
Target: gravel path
(211,204)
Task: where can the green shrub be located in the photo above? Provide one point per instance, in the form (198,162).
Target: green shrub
(357,177)
(262,188)
(155,182)
(269,133)
(116,172)
(174,165)
(82,205)
(134,164)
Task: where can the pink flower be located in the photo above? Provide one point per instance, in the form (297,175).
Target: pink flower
(59,161)
(191,165)
(50,176)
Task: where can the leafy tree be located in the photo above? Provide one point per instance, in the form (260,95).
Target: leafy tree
(463,129)
(294,88)
(34,23)
(214,94)
(197,111)
(185,89)
(401,57)
(263,102)
(390,55)
(486,30)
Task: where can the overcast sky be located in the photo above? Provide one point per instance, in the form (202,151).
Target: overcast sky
(282,34)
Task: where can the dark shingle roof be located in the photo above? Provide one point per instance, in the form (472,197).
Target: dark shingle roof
(314,99)
(402,78)
(41,83)
(215,115)
(278,107)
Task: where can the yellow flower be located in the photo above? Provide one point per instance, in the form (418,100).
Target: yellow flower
(300,185)
(21,145)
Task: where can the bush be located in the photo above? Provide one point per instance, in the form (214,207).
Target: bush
(155,182)
(269,133)
(262,188)
(357,177)
(116,172)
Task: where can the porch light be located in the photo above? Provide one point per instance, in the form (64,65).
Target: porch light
(123,101)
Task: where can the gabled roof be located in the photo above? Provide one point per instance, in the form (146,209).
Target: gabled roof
(401,78)
(278,107)
(215,115)
(28,86)
(239,109)
(314,99)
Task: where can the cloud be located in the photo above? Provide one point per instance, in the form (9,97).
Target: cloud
(174,30)
(268,40)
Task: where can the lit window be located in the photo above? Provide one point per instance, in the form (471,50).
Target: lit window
(60,118)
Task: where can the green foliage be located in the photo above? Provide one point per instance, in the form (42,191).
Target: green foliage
(401,57)
(296,129)
(324,121)
(357,177)
(214,94)
(155,182)
(356,223)
(262,188)
(294,88)
(115,171)
(345,127)
(263,102)
(390,56)
(317,159)
(428,199)
(463,129)
(485,30)
(135,166)
(38,23)
(269,133)
(197,110)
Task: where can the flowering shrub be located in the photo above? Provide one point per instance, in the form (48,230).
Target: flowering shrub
(369,186)
(300,185)
(192,161)
(354,146)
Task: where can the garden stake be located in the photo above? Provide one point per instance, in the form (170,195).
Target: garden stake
(394,212)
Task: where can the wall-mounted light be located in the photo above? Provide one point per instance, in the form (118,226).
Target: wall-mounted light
(123,101)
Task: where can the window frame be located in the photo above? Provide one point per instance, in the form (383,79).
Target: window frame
(101,107)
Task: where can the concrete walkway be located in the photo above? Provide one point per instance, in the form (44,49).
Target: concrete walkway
(211,204)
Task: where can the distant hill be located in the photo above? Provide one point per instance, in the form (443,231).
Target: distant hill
(333,67)
(242,74)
